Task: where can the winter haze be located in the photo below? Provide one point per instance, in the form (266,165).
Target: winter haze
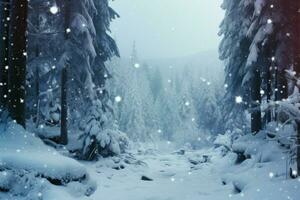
(203,103)
(167,28)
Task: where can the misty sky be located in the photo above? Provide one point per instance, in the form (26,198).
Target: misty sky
(167,28)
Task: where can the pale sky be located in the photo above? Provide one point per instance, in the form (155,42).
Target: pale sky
(167,28)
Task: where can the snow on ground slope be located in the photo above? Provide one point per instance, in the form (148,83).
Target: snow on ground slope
(208,174)
(31,170)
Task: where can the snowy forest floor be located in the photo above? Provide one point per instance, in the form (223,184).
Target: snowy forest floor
(196,175)
(31,170)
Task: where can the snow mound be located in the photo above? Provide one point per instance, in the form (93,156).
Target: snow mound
(25,160)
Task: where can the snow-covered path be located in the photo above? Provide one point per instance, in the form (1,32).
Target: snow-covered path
(190,177)
(173,179)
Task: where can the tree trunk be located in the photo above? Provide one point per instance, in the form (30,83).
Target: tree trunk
(269,95)
(37,74)
(17,60)
(64,83)
(64,106)
(37,96)
(296,42)
(255,102)
(4,42)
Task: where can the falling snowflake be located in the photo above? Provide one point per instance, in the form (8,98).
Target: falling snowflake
(118,99)
(68,30)
(269,21)
(239,99)
(137,65)
(54,10)
(262,92)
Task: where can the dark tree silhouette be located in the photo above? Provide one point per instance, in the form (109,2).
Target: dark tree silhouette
(17,60)
(64,82)
(4,42)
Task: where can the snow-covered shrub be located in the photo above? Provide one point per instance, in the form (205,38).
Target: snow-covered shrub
(99,137)
(223,140)
(51,113)
(228,138)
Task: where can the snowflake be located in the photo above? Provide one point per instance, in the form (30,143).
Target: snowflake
(239,99)
(54,10)
(118,99)
(137,65)
(262,92)
(269,21)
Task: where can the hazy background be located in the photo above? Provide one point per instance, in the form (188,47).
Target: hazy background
(167,28)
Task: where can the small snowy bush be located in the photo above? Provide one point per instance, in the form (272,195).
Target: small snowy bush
(99,137)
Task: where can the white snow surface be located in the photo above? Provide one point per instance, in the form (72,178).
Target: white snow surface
(184,174)
(215,177)
(27,165)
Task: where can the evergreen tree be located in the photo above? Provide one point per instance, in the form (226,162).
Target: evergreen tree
(234,50)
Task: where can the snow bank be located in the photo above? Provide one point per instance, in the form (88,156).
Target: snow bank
(25,160)
(262,174)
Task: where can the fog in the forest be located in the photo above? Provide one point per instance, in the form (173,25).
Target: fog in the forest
(167,28)
(169,77)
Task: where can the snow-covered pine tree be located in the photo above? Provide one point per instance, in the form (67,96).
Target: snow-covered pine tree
(87,47)
(104,48)
(234,50)
(260,27)
(43,84)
